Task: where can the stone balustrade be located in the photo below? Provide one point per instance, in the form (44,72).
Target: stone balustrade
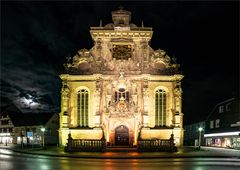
(156,145)
(88,145)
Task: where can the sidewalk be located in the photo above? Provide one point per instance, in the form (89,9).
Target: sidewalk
(184,152)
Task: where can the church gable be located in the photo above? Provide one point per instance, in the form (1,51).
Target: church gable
(121,46)
(121,90)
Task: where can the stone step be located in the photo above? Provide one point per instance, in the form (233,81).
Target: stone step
(121,149)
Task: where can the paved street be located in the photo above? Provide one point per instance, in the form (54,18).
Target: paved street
(186,158)
(33,162)
(182,153)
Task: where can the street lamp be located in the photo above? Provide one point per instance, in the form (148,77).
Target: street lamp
(200,129)
(43,142)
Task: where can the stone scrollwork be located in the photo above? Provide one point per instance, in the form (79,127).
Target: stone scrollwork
(121,57)
(144,45)
(80,60)
(178,90)
(161,56)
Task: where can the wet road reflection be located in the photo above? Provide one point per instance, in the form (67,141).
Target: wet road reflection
(32,162)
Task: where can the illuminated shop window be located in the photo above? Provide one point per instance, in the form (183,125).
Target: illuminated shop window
(121,93)
(82,108)
(160,107)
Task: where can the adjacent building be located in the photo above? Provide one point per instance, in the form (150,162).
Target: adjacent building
(6,125)
(6,129)
(121,90)
(223,125)
(28,128)
(25,129)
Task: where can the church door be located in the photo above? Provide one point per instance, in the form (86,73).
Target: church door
(121,136)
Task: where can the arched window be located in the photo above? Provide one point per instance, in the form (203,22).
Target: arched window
(82,108)
(121,93)
(160,107)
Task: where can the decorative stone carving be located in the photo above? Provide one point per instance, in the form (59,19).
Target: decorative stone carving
(115,57)
(121,73)
(144,45)
(65,96)
(65,90)
(99,44)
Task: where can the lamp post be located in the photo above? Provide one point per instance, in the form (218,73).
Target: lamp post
(200,129)
(43,142)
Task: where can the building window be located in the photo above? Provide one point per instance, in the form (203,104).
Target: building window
(121,93)
(160,107)
(221,109)
(211,124)
(82,108)
(5,122)
(228,107)
(217,123)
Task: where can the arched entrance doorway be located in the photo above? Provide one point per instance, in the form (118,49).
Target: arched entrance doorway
(122,136)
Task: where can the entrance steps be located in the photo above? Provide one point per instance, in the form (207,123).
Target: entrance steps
(121,149)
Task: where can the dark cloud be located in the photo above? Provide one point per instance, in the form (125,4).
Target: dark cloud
(36,38)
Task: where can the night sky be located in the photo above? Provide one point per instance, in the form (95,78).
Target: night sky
(36,38)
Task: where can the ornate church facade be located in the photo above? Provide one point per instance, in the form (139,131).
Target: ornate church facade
(121,89)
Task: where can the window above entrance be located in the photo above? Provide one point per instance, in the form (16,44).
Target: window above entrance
(122,52)
(121,93)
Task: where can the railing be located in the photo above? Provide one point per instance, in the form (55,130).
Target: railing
(156,145)
(91,145)
(132,29)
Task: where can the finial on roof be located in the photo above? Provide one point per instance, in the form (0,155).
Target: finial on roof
(121,16)
(142,24)
(100,25)
(120,7)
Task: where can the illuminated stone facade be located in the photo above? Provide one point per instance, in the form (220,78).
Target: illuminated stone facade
(121,89)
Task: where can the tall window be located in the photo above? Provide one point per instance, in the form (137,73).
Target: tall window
(160,107)
(82,108)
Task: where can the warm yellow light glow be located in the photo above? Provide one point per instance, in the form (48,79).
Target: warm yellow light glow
(122,90)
